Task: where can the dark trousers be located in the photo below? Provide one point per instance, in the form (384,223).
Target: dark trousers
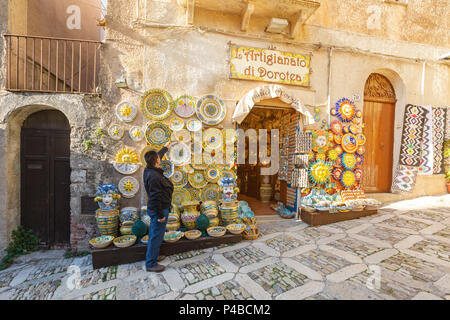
(155,237)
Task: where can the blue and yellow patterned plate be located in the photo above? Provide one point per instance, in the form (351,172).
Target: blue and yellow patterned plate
(180,154)
(124,241)
(210,192)
(212,173)
(176,124)
(197,179)
(126,111)
(157,104)
(180,195)
(128,186)
(212,139)
(136,133)
(101,242)
(157,133)
(167,167)
(184,106)
(210,110)
(179,178)
(115,131)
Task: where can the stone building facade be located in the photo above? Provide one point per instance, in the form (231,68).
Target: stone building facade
(184,47)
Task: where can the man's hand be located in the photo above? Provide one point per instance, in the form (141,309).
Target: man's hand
(162,220)
(167,144)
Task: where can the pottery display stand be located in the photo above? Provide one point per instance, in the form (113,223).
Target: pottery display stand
(320,218)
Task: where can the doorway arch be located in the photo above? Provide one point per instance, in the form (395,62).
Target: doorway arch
(379,124)
(45,176)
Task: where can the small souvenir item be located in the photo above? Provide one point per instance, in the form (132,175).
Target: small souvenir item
(360,139)
(345,129)
(321,141)
(167,167)
(336,127)
(157,104)
(136,133)
(348,161)
(126,111)
(176,124)
(212,139)
(202,223)
(183,136)
(337,173)
(345,110)
(127,161)
(157,133)
(338,162)
(349,143)
(128,186)
(354,129)
(210,110)
(348,179)
(194,125)
(338,149)
(185,106)
(210,192)
(179,178)
(197,179)
(358,174)
(337,138)
(212,173)
(320,172)
(180,195)
(115,131)
(180,154)
(107,196)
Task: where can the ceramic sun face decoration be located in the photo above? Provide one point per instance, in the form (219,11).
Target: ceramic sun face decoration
(115,131)
(107,196)
(345,110)
(136,133)
(349,143)
(126,111)
(128,186)
(320,172)
(127,161)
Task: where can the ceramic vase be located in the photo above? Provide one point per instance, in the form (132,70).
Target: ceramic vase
(190,214)
(107,222)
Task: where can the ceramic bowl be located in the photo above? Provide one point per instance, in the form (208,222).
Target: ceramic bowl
(144,239)
(216,231)
(124,241)
(101,242)
(173,236)
(236,228)
(193,234)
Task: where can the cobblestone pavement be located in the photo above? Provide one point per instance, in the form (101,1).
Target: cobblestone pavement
(403,252)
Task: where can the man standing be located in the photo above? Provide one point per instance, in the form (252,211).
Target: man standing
(159,191)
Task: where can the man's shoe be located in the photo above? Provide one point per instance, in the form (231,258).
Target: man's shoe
(161,258)
(156,268)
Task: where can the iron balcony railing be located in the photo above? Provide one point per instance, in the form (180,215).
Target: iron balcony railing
(47,64)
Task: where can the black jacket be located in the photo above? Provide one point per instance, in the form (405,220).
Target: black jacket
(159,188)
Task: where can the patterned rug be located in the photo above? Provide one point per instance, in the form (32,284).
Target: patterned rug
(411,145)
(405,179)
(426,160)
(447,129)
(438,116)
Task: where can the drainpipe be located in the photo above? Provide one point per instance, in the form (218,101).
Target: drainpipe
(330,55)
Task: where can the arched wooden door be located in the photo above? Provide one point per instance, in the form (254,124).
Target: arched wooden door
(378,118)
(45,176)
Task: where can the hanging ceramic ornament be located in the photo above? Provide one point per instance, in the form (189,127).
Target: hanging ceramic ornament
(361,150)
(126,161)
(321,156)
(360,139)
(332,154)
(358,174)
(337,173)
(194,125)
(349,143)
(157,133)
(167,167)
(348,161)
(128,186)
(210,110)
(212,139)
(179,153)
(157,104)
(354,129)
(176,124)
(180,195)
(338,162)
(320,172)
(179,178)
(338,149)
(126,111)
(210,193)
(197,179)
(348,179)
(337,138)
(336,127)
(359,160)
(212,173)
(321,141)
(345,129)
(115,131)
(185,106)
(136,133)
(345,110)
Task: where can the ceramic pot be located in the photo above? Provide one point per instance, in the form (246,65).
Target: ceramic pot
(107,222)
(173,226)
(190,214)
(128,214)
(125,229)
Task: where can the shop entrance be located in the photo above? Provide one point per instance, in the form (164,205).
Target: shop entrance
(45,176)
(379,115)
(263,192)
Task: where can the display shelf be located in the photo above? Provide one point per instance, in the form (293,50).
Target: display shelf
(320,218)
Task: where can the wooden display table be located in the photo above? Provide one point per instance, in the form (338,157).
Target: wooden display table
(113,256)
(320,218)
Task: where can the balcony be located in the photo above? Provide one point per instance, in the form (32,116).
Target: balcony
(56,65)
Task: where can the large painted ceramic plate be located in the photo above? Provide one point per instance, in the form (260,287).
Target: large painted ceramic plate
(197,179)
(157,104)
(157,133)
(349,143)
(167,167)
(212,139)
(179,154)
(195,194)
(176,124)
(212,173)
(194,125)
(210,192)
(115,131)
(180,195)
(185,106)
(210,110)
(126,111)
(136,133)
(183,136)
(179,178)
(126,161)
(128,186)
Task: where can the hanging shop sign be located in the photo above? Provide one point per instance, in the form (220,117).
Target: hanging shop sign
(269,65)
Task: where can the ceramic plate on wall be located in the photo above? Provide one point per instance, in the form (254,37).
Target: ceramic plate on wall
(157,104)
(212,173)
(210,192)
(136,133)
(197,179)
(179,154)
(212,139)
(115,131)
(128,186)
(167,167)
(185,106)
(183,136)
(126,111)
(179,178)
(157,133)
(180,195)
(176,124)
(210,110)
(194,125)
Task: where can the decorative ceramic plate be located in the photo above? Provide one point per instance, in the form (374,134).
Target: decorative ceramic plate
(212,173)
(185,106)
(193,234)
(128,186)
(227,173)
(126,111)
(157,104)
(337,173)
(115,131)
(167,167)
(136,133)
(320,172)
(358,174)
(354,129)
(173,236)
(361,150)
(212,139)
(345,110)
(179,154)
(336,127)
(348,161)
(337,138)
(183,136)
(236,228)
(180,195)
(216,231)
(349,143)
(126,161)
(332,154)
(179,178)
(124,241)
(360,139)
(101,242)
(176,124)
(210,110)
(195,194)
(194,125)
(210,192)
(338,149)
(188,168)
(197,179)
(157,133)
(348,179)
(147,149)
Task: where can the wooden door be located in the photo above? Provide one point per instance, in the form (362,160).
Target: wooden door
(378,118)
(45,177)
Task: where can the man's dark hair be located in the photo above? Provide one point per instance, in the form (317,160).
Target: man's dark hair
(151,157)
